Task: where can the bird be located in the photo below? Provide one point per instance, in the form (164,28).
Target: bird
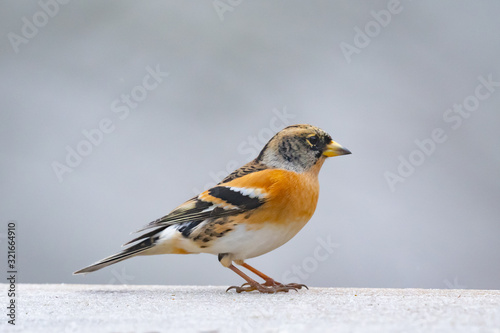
(252,211)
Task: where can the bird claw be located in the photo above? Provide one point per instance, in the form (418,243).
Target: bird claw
(270,287)
(272,283)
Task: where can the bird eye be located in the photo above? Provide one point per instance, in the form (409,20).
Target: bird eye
(313,140)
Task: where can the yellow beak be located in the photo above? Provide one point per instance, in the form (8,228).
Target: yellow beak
(334,149)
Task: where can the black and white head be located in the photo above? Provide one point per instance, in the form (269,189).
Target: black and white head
(298,148)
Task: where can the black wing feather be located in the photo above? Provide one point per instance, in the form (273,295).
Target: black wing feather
(235,198)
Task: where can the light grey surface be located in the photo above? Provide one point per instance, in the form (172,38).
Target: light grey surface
(104,308)
(439,229)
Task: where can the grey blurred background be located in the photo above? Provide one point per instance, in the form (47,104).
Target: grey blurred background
(238,71)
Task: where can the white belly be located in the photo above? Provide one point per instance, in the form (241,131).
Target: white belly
(244,244)
(241,242)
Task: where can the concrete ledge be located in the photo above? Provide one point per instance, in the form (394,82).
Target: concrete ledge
(126,308)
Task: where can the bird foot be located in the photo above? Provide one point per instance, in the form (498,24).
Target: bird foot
(272,283)
(269,287)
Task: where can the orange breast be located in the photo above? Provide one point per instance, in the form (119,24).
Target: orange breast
(291,197)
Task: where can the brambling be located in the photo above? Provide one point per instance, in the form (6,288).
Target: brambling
(254,210)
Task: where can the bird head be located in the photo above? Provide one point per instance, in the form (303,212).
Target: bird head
(299,147)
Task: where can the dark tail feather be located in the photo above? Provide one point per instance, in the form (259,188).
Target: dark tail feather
(125,254)
(150,234)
